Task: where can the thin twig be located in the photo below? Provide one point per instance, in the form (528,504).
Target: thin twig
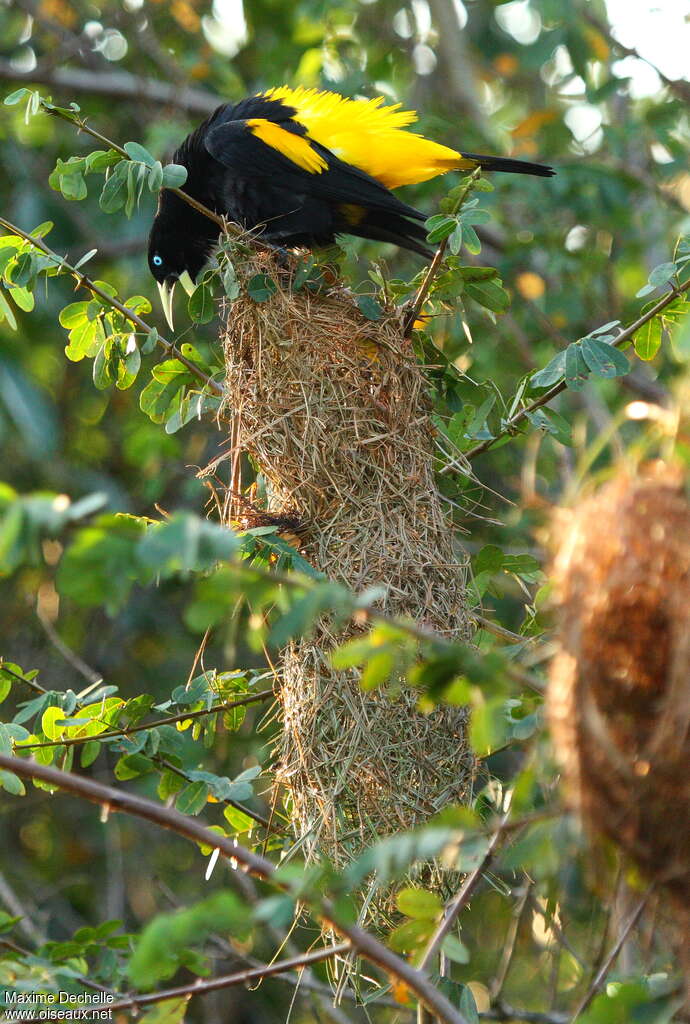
(67,653)
(85,282)
(463,896)
(31,683)
(613,956)
(201,987)
(436,262)
(510,425)
(111,799)
(509,946)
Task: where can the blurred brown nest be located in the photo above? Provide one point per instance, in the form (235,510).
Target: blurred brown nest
(619,691)
(333,410)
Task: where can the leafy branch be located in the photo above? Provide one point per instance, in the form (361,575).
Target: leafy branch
(443,227)
(130,152)
(70,741)
(509,426)
(360,941)
(60,265)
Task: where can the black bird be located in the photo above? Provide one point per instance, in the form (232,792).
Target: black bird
(302,166)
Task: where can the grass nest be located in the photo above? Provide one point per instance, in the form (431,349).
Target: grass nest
(619,693)
(334,411)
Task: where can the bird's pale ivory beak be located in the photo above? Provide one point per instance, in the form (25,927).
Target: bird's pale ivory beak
(167,291)
(186,282)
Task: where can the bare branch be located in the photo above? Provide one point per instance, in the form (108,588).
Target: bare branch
(613,956)
(463,896)
(114,84)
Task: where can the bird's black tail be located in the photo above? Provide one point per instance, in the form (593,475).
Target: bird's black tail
(504,163)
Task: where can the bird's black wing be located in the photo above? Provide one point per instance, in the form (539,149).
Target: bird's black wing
(258,148)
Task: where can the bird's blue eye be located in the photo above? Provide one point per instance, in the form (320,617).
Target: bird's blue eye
(157,261)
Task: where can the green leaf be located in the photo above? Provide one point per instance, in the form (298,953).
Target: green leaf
(604,360)
(662,274)
(576,372)
(89,752)
(238,821)
(455,950)
(200,306)
(231,285)
(12,783)
(155,181)
(419,904)
(170,1011)
(369,307)
(16,97)
(174,176)
(411,936)
(193,798)
(489,294)
(130,766)
(73,187)
(73,315)
(6,312)
(440,227)
(551,373)
(261,287)
(85,340)
(648,339)
(551,423)
(114,192)
(137,152)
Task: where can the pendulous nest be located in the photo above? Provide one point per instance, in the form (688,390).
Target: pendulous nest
(619,693)
(333,410)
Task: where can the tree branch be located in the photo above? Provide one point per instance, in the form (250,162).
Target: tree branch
(557,389)
(86,282)
(116,85)
(361,942)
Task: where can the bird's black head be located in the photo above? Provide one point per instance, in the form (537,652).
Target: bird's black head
(180,243)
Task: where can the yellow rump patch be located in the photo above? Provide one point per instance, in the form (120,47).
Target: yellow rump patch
(295,147)
(370,135)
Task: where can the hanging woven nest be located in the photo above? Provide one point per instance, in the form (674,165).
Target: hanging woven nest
(619,693)
(333,410)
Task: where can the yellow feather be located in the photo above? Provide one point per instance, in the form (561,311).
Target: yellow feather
(370,136)
(294,147)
